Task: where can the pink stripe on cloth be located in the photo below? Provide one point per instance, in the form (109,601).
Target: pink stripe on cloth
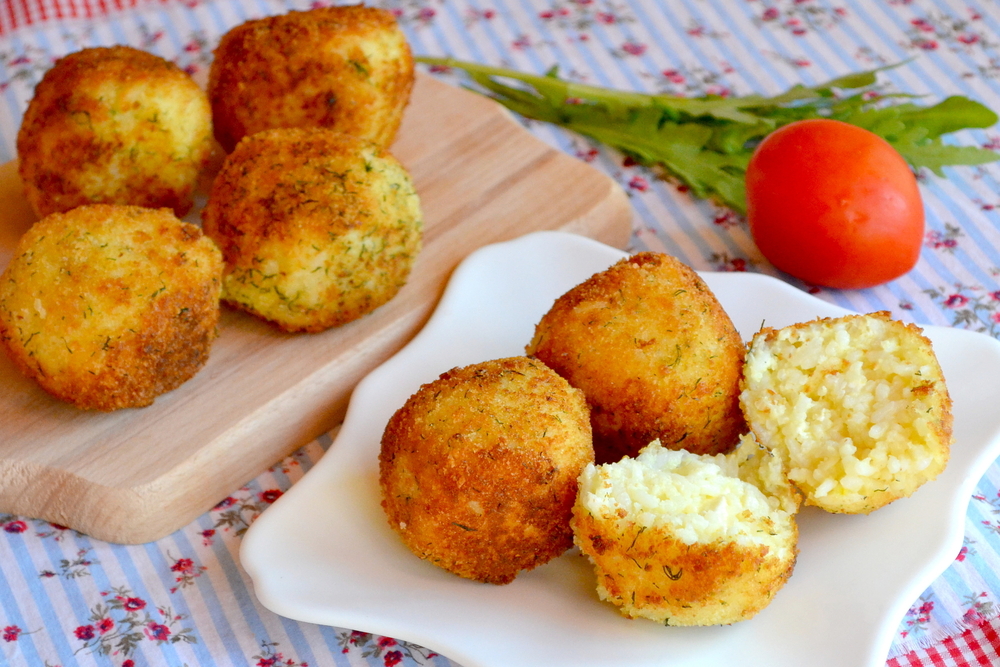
(975,647)
(16,14)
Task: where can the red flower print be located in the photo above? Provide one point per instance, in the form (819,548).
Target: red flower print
(639,184)
(928,44)
(105,624)
(393,658)
(182,565)
(157,631)
(961,554)
(228,501)
(605,18)
(633,48)
(129,663)
(15,527)
(270,495)
(956,301)
(84,632)
(995,318)
(770,14)
(426,14)
(673,76)
(133,604)
(386,642)
(968,38)
(11,633)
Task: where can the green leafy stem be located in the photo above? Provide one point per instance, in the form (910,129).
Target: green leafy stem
(706,142)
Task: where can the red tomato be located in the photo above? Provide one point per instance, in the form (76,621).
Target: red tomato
(834,204)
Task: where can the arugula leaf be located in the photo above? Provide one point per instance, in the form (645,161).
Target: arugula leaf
(706,142)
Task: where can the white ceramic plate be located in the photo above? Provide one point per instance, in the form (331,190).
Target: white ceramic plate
(324,552)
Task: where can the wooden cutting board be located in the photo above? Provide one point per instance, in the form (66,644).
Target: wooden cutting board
(136,475)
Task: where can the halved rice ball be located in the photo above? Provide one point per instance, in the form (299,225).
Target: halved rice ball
(857,405)
(687,539)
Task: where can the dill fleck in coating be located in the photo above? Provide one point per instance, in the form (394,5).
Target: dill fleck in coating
(655,354)
(114,125)
(317,228)
(683,539)
(108,307)
(478,469)
(348,68)
(856,405)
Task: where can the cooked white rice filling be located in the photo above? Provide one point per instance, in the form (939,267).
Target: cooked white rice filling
(840,399)
(699,499)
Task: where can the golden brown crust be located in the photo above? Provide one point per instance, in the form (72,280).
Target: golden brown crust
(347,68)
(317,228)
(114,125)
(655,354)
(648,573)
(107,307)
(479,468)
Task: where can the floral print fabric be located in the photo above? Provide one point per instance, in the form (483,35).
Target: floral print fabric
(66,599)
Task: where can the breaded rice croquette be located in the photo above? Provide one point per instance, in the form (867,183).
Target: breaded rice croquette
(348,68)
(317,228)
(655,354)
(479,468)
(684,539)
(108,307)
(114,125)
(856,405)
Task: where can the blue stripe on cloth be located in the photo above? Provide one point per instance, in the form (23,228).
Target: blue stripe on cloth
(43,604)
(16,618)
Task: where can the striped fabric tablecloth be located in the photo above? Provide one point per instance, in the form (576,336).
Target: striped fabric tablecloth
(66,599)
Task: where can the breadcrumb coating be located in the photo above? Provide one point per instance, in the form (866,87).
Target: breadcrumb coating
(108,307)
(857,405)
(347,68)
(655,354)
(114,125)
(479,468)
(317,228)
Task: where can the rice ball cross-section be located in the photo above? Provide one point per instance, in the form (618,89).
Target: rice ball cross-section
(317,228)
(108,307)
(857,406)
(114,125)
(478,469)
(687,539)
(347,68)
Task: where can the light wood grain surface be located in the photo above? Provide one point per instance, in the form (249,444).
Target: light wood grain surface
(136,475)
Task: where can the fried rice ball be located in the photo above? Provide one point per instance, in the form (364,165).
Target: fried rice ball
(655,354)
(479,468)
(317,228)
(114,125)
(857,405)
(109,306)
(348,68)
(684,539)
